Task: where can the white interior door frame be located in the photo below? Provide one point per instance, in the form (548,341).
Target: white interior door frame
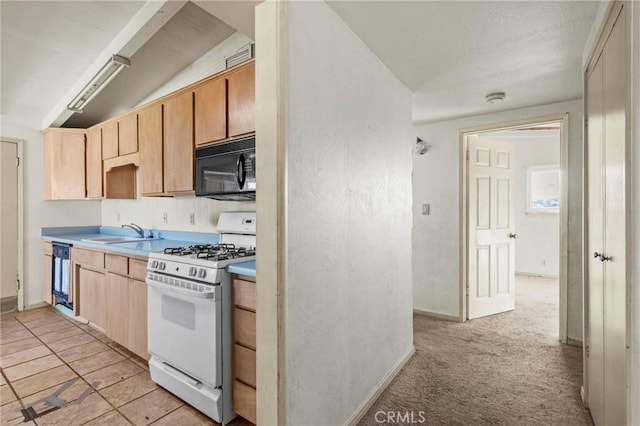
(20,149)
(563,120)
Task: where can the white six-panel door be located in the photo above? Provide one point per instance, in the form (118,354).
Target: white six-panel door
(491,277)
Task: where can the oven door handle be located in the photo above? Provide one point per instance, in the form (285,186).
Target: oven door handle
(183,291)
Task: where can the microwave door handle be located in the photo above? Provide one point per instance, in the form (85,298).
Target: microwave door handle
(240,177)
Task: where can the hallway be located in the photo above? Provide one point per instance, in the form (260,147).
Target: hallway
(505,369)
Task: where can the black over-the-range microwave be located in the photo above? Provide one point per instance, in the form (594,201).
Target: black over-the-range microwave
(227,170)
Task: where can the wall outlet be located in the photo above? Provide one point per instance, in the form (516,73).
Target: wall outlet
(426,209)
(544,262)
(165,217)
(192,218)
(118,217)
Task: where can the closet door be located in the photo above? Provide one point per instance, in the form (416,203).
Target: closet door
(606,105)
(595,223)
(615,232)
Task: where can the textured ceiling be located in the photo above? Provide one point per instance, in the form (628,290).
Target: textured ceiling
(46,46)
(452,54)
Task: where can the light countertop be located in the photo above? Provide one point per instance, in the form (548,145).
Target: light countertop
(243,268)
(75,235)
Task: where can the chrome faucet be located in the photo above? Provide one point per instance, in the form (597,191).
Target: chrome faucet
(136,228)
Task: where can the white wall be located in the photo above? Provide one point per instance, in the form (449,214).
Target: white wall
(148,211)
(39,213)
(436,259)
(348,282)
(537,249)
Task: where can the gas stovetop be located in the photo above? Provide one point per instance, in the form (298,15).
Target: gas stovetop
(212,252)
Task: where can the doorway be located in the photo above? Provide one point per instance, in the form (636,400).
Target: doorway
(515,217)
(11,237)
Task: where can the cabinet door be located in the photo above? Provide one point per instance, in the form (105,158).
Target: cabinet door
(128,134)
(94,163)
(210,112)
(64,165)
(178,143)
(92,294)
(117,308)
(150,138)
(137,331)
(110,140)
(46,278)
(242,98)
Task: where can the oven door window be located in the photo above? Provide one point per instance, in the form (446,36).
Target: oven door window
(185,332)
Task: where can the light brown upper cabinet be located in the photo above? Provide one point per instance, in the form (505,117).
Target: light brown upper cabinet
(210,112)
(109,140)
(128,134)
(94,162)
(242,99)
(150,139)
(64,164)
(178,143)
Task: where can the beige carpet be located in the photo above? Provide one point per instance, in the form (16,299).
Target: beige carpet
(506,369)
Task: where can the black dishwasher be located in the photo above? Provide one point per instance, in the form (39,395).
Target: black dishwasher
(61,275)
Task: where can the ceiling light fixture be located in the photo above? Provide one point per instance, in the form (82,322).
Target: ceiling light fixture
(107,73)
(494,98)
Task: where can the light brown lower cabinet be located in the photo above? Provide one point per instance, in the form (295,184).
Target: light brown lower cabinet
(244,347)
(137,331)
(117,307)
(127,313)
(112,296)
(92,291)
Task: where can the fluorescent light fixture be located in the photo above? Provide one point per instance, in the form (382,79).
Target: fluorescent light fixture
(107,73)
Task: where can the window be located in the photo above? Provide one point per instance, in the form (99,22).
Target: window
(543,189)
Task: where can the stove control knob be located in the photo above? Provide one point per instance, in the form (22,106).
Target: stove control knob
(202,273)
(154,264)
(192,271)
(162,265)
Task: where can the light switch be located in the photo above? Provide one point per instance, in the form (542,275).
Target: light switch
(426,209)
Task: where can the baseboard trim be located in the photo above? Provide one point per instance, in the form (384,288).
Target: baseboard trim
(537,275)
(36,306)
(375,393)
(436,315)
(574,342)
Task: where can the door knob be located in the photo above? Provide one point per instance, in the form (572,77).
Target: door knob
(602,257)
(512,235)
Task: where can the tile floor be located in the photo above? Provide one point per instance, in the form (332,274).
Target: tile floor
(97,382)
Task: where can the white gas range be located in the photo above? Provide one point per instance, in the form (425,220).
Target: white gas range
(189,313)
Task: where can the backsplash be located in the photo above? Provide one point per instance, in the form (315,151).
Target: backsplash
(149,212)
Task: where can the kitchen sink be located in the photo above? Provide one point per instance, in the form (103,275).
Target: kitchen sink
(115,240)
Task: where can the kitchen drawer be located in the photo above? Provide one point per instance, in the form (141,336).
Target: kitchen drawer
(244,327)
(46,248)
(87,257)
(244,294)
(116,264)
(244,364)
(244,401)
(137,269)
